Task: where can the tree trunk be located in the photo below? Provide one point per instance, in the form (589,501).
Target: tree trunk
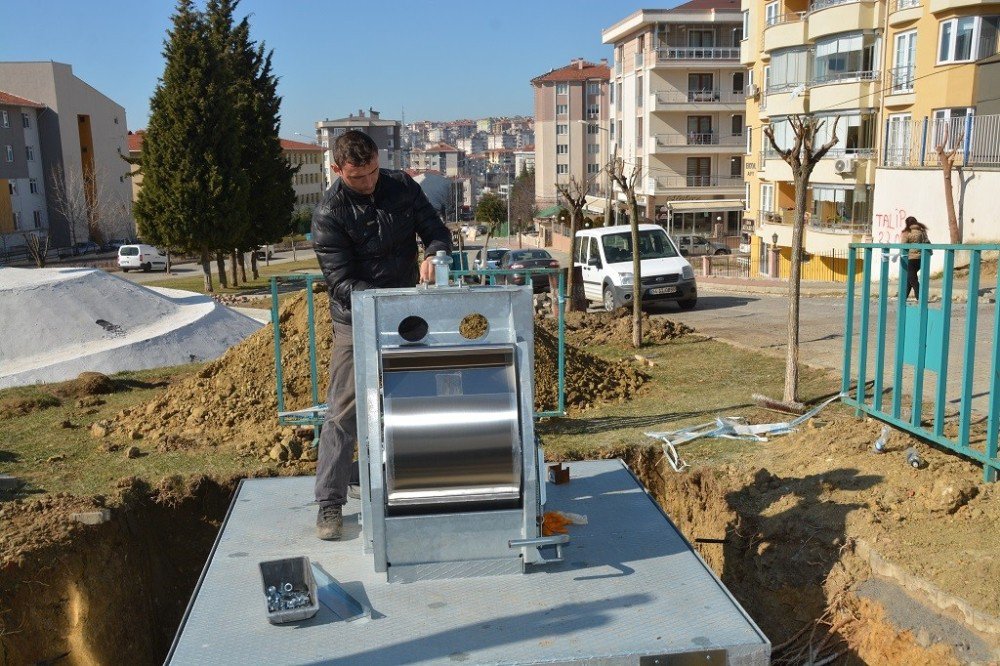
(949,199)
(570,279)
(794,292)
(242,259)
(168,262)
(636,276)
(253,265)
(234,267)
(220,265)
(206,269)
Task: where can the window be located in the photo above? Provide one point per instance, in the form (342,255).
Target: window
(949,126)
(749,141)
(17,219)
(638,92)
(638,132)
(701,38)
(562,149)
(737,36)
(33,185)
(562,129)
(737,127)
(845,57)
(699,171)
(619,97)
(562,169)
(789,69)
(746,196)
(562,109)
(856,132)
(593,88)
(620,130)
(738,83)
(700,88)
(37,215)
(593,168)
(833,206)
(29,152)
(592,128)
(770,14)
(699,130)
(4,119)
(736,166)
(12,186)
(955,44)
(593,110)
(766,197)
(611,92)
(593,148)
(25,120)
(10,153)
(562,88)
(905,62)
(897,151)
(746,24)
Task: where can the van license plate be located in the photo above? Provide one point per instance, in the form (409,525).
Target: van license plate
(663,290)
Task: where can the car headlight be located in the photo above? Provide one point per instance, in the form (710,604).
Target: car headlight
(626,279)
(688,273)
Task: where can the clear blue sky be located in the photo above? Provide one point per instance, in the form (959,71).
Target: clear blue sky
(437,59)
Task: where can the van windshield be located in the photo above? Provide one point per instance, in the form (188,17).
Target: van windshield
(653,244)
(128,251)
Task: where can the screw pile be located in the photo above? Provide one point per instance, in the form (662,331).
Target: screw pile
(286,597)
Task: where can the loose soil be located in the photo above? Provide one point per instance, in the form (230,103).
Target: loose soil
(615,328)
(793,517)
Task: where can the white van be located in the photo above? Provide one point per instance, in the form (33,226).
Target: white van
(141,257)
(604,256)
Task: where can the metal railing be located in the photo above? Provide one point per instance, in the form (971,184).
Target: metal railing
(817,5)
(669,182)
(697,53)
(920,342)
(700,97)
(724,265)
(976,140)
(901,79)
(670,139)
(844,77)
(781,19)
(900,5)
(827,225)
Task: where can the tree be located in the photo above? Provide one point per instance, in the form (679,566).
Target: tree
(38,247)
(947,159)
(574,193)
(71,201)
(522,198)
(616,169)
(193,180)
(490,210)
(802,157)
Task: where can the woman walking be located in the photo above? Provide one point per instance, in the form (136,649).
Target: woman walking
(915,232)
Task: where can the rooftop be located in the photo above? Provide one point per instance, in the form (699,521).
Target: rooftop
(578,70)
(7,99)
(694,11)
(135,141)
(288,144)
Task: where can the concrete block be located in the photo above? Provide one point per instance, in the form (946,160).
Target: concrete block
(93,517)
(9,483)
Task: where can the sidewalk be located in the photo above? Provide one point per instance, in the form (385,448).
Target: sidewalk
(779,287)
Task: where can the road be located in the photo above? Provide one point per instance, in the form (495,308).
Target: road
(760,322)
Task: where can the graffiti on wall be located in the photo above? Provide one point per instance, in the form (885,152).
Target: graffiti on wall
(887,227)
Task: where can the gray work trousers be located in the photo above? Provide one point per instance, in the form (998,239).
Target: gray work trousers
(334,461)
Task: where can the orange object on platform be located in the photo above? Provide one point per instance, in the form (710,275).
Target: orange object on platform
(553,522)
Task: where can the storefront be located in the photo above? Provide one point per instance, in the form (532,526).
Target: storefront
(719,218)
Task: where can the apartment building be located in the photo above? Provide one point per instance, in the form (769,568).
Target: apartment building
(308,182)
(677,113)
(384,132)
(72,146)
(441,157)
(571,111)
(22,179)
(524,159)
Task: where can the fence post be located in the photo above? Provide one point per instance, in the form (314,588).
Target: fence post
(968,139)
(923,141)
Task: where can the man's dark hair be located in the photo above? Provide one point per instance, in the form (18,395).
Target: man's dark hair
(355,148)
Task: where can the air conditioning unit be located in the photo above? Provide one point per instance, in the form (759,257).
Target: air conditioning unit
(753,90)
(845,165)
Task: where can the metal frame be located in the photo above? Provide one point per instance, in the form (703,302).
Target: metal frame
(927,351)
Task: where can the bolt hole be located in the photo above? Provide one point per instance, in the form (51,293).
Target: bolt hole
(474,327)
(413,329)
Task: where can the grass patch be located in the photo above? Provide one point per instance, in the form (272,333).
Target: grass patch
(196,282)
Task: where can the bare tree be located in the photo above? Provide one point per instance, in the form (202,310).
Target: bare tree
(616,169)
(574,193)
(947,159)
(38,247)
(802,157)
(71,201)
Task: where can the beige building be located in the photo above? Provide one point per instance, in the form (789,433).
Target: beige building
(80,140)
(571,117)
(440,157)
(384,132)
(308,181)
(677,113)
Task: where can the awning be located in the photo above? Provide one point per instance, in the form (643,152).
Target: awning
(595,205)
(546,213)
(712,206)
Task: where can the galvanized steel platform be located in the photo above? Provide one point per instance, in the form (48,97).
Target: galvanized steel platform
(630,589)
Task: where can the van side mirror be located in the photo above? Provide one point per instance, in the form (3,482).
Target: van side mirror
(594,261)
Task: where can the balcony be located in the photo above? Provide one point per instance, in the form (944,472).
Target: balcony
(707,142)
(938,6)
(785,101)
(829,17)
(844,90)
(683,56)
(701,184)
(696,100)
(772,168)
(785,31)
(864,165)
(904,11)
(748,54)
(900,92)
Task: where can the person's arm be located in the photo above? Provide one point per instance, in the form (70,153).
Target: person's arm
(432,231)
(335,252)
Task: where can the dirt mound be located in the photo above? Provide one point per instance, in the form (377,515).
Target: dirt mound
(87,384)
(615,328)
(232,400)
(21,406)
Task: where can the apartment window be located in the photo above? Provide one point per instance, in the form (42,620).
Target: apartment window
(611,92)
(844,57)
(738,83)
(766,197)
(562,88)
(638,132)
(33,185)
(12,186)
(746,196)
(593,148)
(593,111)
(700,88)
(37,215)
(593,88)
(746,24)
(29,152)
(593,168)
(620,129)
(592,128)
(905,52)
(4,119)
(897,151)
(856,132)
(638,92)
(770,14)
(737,125)
(749,140)
(562,129)
(699,171)
(17,219)
(736,166)
(839,205)
(949,126)
(562,169)
(789,69)
(25,120)
(10,153)
(562,109)
(619,97)
(737,35)
(701,38)
(562,149)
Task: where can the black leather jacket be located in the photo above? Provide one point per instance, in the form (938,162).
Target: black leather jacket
(365,241)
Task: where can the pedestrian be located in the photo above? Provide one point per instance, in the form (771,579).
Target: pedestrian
(914,232)
(365,236)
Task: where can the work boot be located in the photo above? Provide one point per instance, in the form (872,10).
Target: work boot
(329,522)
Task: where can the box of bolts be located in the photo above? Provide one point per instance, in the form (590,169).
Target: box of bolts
(289,589)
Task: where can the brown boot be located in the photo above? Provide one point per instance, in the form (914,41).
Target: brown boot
(329,522)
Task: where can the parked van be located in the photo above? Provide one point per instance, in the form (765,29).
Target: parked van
(604,256)
(141,257)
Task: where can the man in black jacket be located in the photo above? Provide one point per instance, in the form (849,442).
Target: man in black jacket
(364,232)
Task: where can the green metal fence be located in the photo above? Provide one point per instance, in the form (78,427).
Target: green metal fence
(314,414)
(930,343)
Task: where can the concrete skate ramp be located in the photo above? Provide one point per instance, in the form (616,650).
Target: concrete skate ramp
(58,322)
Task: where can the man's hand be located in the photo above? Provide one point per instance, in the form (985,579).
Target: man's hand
(427,271)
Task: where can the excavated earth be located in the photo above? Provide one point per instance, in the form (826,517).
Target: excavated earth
(797,528)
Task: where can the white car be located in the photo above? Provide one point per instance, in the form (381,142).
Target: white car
(604,256)
(141,257)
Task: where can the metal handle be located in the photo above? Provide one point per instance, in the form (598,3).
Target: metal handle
(556,540)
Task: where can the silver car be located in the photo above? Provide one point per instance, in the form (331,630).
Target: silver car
(695,246)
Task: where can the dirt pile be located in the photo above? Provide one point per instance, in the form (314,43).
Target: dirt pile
(615,328)
(232,400)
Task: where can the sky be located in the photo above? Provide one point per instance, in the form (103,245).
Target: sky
(429,59)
